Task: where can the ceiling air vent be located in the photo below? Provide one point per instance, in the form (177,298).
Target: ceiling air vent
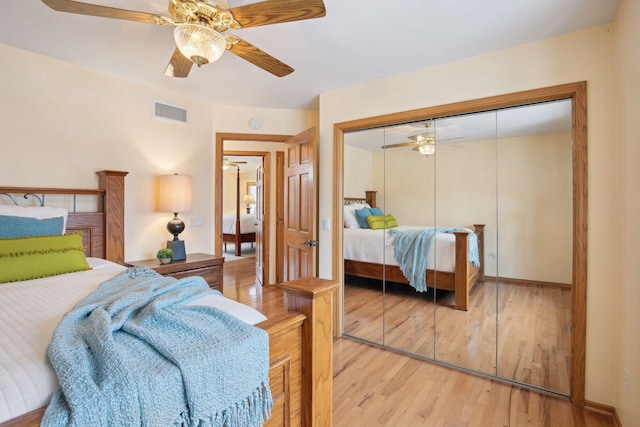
(170,112)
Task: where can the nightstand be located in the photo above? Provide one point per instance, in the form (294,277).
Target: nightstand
(207,266)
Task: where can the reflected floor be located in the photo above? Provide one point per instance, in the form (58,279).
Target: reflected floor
(533,341)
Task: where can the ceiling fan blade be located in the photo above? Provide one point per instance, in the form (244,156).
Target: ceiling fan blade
(450,139)
(102,11)
(400,144)
(257,57)
(277,11)
(178,66)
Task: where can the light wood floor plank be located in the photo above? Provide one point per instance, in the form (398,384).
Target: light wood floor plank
(376,387)
(527,325)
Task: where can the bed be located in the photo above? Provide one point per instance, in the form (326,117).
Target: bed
(299,340)
(239,228)
(453,271)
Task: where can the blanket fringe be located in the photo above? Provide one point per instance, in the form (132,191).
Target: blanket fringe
(252,411)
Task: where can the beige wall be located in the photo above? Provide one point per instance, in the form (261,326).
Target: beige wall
(585,55)
(357,178)
(627,35)
(61,123)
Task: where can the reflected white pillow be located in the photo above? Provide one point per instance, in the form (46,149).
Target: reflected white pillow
(44,212)
(349,215)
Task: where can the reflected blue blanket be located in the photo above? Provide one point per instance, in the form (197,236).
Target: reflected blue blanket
(412,249)
(134,353)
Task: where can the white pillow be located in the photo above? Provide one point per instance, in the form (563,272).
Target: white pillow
(349,214)
(44,212)
(241,311)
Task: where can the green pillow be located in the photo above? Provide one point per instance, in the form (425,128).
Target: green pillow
(377,222)
(34,257)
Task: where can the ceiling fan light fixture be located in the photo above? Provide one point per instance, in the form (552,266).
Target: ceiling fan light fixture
(427,149)
(199,43)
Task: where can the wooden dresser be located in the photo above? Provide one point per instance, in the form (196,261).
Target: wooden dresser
(208,267)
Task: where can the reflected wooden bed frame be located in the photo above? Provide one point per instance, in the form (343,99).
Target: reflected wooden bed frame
(465,276)
(238,238)
(300,337)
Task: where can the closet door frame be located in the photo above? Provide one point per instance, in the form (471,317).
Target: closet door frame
(577,92)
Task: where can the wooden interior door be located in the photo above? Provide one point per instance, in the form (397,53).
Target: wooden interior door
(259,221)
(300,244)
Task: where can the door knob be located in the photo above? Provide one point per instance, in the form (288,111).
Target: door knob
(310,243)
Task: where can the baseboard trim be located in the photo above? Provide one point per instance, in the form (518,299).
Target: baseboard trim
(603,409)
(526,282)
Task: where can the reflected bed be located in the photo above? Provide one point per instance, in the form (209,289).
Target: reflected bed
(452,269)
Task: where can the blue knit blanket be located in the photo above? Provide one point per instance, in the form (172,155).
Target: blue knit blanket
(412,250)
(134,353)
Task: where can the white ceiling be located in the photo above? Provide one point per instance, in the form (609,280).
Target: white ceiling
(356,42)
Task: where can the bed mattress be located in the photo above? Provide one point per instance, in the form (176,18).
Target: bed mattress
(248,224)
(29,313)
(376,246)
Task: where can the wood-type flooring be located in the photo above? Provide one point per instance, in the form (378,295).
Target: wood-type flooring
(377,387)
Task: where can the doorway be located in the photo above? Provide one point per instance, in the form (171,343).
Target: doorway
(272,231)
(242,206)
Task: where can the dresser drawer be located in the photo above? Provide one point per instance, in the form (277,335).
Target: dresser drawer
(213,275)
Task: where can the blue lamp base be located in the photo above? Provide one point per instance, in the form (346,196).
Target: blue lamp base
(177,246)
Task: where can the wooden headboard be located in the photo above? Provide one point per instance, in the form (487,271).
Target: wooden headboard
(103,228)
(370,199)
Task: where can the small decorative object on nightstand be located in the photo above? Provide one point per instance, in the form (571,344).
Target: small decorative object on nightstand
(208,267)
(164,255)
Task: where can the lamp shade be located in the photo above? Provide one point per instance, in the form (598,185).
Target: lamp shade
(248,198)
(174,193)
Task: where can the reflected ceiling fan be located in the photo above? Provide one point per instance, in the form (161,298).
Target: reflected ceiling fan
(424,143)
(226,163)
(199,24)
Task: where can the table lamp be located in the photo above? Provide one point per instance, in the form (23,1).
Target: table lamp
(174,195)
(249,200)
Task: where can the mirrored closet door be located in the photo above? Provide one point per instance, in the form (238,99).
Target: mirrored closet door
(465,198)
(481,206)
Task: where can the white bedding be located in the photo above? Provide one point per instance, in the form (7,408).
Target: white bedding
(248,224)
(376,246)
(30,311)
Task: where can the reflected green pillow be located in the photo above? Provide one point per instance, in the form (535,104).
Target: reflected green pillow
(377,222)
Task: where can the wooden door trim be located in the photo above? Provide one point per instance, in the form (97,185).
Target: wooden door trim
(280,217)
(217,204)
(578,94)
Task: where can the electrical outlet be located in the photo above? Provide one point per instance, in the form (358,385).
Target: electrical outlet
(626,381)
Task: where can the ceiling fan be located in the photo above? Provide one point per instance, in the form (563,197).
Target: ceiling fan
(424,143)
(226,163)
(199,24)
